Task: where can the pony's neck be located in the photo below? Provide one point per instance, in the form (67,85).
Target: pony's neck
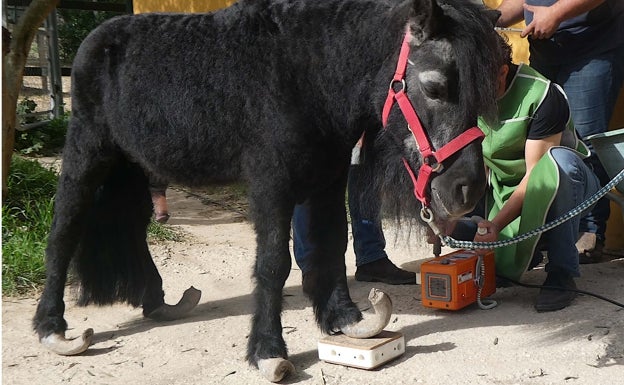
(366,43)
(332,52)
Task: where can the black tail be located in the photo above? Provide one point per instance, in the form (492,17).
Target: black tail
(112,254)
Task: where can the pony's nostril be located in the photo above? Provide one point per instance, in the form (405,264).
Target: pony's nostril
(465,194)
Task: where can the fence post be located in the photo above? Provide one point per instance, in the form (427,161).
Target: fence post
(55,66)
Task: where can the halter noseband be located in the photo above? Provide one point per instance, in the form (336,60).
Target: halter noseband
(432,160)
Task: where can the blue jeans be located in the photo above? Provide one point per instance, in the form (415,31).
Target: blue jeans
(368,238)
(592,86)
(577,182)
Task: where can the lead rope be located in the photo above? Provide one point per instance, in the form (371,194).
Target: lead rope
(457,244)
(427,216)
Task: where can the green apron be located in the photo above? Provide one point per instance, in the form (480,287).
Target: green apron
(503,151)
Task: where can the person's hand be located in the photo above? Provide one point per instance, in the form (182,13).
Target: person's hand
(545,22)
(486,232)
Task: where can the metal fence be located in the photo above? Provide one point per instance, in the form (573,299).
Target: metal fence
(44,61)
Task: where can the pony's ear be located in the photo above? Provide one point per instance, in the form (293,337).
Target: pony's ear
(422,21)
(492,15)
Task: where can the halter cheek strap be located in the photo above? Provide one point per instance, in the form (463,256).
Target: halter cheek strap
(432,160)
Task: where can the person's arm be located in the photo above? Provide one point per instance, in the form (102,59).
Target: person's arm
(545,131)
(511,12)
(534,150)
(546,20)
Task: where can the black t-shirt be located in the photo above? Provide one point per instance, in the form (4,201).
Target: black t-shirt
(551,116)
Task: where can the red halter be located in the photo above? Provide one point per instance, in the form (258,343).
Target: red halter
(432,160)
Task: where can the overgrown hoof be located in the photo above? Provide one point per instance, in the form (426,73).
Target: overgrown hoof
(165,312)
(58,344)
(372,324)
(276,369)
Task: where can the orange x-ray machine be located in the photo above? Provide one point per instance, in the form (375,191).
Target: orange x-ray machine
(452,281)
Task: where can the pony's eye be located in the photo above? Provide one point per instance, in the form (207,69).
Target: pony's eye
(434,90)
(433,84)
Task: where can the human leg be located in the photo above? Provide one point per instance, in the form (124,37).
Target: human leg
(371,259)
(592,86)
(577,184)
(369,242)
(302,246)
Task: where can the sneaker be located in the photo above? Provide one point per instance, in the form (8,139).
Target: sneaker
(553,299)
(383,270)
(589,248)
(502,282)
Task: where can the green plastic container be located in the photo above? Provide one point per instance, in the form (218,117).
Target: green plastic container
(610,150)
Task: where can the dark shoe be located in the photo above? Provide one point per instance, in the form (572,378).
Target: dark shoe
(382,270)
(553,299)
(503,282)
(589,248)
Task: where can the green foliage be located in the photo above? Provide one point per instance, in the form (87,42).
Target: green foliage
(157,232)
(75,25)
(26,106)
(26,220)
(44,140)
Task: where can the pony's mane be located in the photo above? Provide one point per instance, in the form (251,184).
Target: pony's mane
(474,43)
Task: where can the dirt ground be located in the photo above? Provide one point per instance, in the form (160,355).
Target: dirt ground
(510,344)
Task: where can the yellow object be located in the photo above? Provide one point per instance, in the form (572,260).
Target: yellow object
(615,230)
(185,6)
(519,45)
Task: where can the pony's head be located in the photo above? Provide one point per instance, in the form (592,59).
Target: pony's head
(451,57)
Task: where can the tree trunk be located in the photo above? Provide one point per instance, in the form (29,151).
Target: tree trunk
(13,64)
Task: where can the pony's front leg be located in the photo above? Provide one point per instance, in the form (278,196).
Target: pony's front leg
(266,348)
(320,232)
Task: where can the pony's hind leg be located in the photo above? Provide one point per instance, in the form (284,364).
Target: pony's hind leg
(75,193)
(102,210)
(154,306)
(48,321)
(115,264)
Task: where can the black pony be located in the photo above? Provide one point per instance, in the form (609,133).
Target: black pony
(273,92)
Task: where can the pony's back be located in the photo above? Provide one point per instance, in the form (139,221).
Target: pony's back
(264,66)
